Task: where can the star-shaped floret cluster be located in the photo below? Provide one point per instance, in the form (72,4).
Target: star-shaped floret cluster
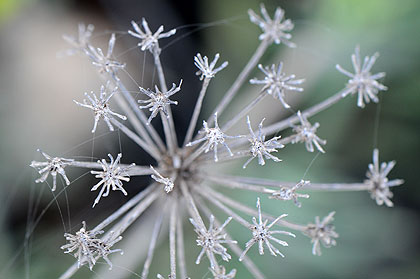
(53,166)
(159,100)
(287,194)
(87,248)
(306,133)
(273,29)
(149,41)
(277,82)
(261,148)
(206,70)
(169,184)
(220,273)
(322,232)
(261,234)
(212,240)
(378,182)
(100,107)
(362,81)
(111,177)
(81,42)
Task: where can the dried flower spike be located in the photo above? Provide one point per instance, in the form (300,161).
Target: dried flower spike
(53,166)
(149,41)
(100,107)
(362,81)
(260,147)
(306,133)
(378,181)
(111,177)
(212,240)
(287,194)
(321,233)
(261,234)
(273,29)
(277,82)
(206,70)
(159,100)
(169,184)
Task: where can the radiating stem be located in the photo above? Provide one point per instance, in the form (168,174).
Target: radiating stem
(172,237)
(243,112)
(167,131)
(181,248)
(221,180)
(240,79)
(193,156)
(192,208)
(196,112)
(132,171)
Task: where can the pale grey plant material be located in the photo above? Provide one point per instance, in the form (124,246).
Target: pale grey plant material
(220,273)
(287,194)
(275,29)
(105,63)
(262,234)
(159,100)
(322,232)
(100,107)
(277,82)
(261,148)
(212,240)
(377,180)
(111,177)
(167,182)
(87,248)
(206,70)
(307,133)
(214,136)
(362,81)
(81,42)
(149,41)
(53,166)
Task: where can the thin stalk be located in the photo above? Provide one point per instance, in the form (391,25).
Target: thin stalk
(220,180)
(225,157)
(172,237)
(181,248)
(149,149)
(192,208)
(240,79)
(193,156)
(197,111)
(133,171)
(167,131)
(243,112)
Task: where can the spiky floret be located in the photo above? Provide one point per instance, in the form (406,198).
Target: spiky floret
(159,100)
(87,248)
(377,180)
(322,232)
(100,107)
(53,166)
(287,194)
(111,177)
(362,81)
(261,148)
(149,41)
(211,240)
(81,42)
(277,82)
(261,234)
(273,29)
(306,133)
(169,184)
(206,70)
(220,273)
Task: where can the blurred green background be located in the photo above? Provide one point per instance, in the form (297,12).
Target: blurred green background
(36,110)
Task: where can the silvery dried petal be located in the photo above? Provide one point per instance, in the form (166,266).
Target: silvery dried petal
(273,29)
(53,166)
(362,81)
(149,41)
(287,194)
(159,100)
(206,70)
(277,82)
(260,147)
(261,234)
(111,177)
(306,133)
(321,233)
(212,240)
(100,107)
(379,185)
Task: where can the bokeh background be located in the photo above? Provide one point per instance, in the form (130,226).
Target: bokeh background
(37,86)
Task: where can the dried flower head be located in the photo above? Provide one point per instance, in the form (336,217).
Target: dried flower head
(322,233)
(204,69)
(306,133)
(273,29)
(81,42)
(111,177)
(287,194)
(277,82)
(362,81)
(53,166)
(169,184)
(378,183)
(220,273)
(100,107)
